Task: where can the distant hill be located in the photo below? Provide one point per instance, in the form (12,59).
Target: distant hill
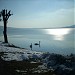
(72,26)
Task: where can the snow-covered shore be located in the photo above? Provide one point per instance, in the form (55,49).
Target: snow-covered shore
(12,52)
(55,64)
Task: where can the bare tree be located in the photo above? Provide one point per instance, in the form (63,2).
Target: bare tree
(5,16)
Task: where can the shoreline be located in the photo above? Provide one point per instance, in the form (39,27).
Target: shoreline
(11,50)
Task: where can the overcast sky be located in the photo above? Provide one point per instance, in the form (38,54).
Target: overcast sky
(39,13)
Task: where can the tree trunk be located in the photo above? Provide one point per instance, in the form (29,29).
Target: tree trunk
(5,32)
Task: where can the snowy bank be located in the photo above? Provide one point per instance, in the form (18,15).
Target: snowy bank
(25,61)
(11,52)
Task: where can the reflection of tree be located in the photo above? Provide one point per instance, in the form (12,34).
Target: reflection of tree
(5,15)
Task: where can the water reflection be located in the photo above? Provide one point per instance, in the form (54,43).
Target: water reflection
(59,34)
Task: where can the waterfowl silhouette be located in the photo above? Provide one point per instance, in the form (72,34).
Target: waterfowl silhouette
(31,46)
(37,44)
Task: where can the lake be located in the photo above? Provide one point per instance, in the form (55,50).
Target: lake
(60,41)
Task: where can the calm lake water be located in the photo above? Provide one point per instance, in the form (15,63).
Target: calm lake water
(59,41)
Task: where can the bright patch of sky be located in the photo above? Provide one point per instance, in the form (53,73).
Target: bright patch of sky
(39,13)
